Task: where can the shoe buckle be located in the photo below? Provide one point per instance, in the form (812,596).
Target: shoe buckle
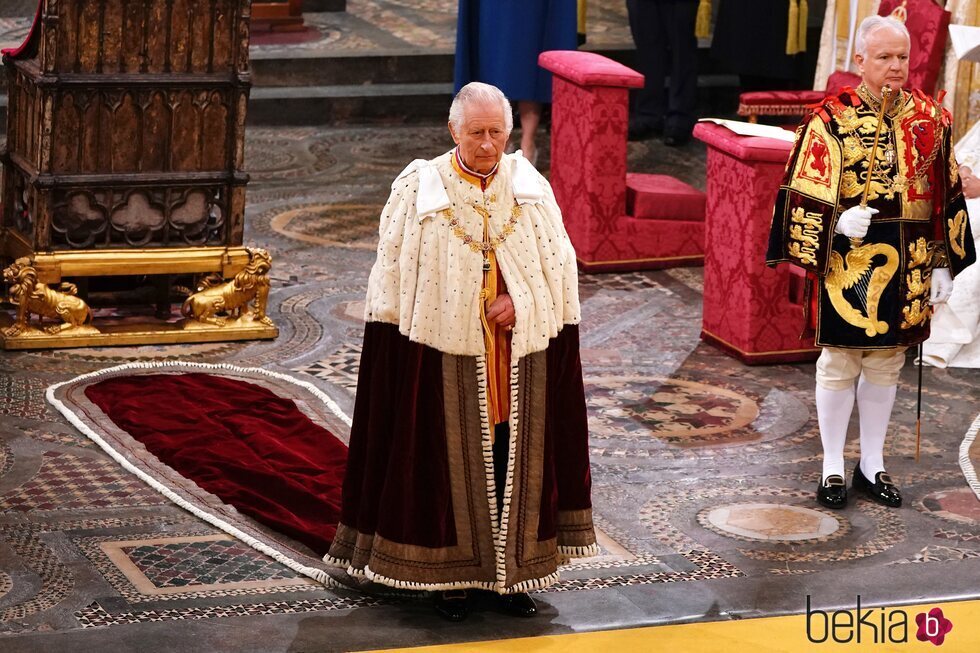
(885,478)
(833,479)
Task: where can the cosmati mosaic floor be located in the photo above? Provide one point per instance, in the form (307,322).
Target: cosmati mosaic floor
(703,468)
(373,25)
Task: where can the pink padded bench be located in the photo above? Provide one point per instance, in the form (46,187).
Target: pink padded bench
(616,221)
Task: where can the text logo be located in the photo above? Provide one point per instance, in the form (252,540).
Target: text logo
(933,626)
(876,625)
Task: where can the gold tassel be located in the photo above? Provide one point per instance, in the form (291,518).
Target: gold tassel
(582,13)
(804,17)
(793,29)
(702,26)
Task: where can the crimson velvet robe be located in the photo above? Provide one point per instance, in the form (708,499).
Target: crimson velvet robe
(419,505)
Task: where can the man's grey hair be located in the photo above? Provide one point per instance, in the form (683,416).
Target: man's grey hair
(479,93)
(872,24)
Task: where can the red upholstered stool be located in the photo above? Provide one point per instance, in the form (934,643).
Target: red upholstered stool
(588,173)
(670,218)
(662,197)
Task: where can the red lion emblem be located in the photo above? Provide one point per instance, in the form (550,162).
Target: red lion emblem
(923,138)
(818,157)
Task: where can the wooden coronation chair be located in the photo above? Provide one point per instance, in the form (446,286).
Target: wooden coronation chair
(124,172)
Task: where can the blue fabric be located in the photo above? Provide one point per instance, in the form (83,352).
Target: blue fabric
(498,42)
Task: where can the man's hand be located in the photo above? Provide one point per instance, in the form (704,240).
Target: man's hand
(501,311)
(942,286)
(971,183)
(854,222)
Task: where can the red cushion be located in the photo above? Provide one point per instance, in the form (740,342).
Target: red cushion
(662,197)
(589,69)
(792,98)
(746,148)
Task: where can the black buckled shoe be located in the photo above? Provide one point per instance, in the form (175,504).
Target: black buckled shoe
(832,492)
(883,490)
(518,605)
(452,605)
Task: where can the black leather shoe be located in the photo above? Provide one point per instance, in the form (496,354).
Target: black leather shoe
(832,492)
(452,605)
(882,490)
(518,605)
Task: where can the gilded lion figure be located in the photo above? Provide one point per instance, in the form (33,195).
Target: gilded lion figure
(215,303)
(32,296)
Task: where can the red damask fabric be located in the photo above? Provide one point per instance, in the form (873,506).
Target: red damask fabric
(588,175)
(662,197)
(748,309)
(589,69)
(927,23)
(239,441)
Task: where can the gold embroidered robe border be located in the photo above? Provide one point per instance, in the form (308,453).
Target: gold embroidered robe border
(875,296)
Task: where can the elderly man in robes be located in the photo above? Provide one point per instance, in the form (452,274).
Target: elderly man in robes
(468,464)
(881,266)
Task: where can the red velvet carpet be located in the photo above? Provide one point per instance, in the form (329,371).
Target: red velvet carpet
(255,453)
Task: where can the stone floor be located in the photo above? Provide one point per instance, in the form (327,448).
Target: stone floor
(371,25)
(703,468)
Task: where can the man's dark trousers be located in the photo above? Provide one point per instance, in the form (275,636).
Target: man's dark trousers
(663,31)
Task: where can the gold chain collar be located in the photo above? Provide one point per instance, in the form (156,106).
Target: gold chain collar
(897,102)
(480,245)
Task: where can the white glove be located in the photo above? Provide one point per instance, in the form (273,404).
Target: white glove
(942,286)
(854,222)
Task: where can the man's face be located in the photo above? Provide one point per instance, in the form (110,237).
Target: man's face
(483,136)
(886,60)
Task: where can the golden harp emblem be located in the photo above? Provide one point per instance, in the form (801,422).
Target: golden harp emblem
(957,233)
(868,282)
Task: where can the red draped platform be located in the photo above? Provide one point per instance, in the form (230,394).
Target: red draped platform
(615,220)
(750,310)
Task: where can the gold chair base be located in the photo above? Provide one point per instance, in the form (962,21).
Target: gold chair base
(147,333)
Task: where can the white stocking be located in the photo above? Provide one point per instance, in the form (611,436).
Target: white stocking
(874,411)
(833,413)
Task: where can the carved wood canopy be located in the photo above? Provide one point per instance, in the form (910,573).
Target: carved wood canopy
(126,126)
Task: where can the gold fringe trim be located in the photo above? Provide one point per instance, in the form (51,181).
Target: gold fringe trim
(702,25)
(579,551)
(532,584)
(368,574)
(772,109)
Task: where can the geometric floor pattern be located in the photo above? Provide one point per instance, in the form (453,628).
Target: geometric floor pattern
(703,469)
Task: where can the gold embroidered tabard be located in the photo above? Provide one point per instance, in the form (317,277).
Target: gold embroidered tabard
(856,271)
(918,279)
(957,232)
(910,139)
(804,233)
